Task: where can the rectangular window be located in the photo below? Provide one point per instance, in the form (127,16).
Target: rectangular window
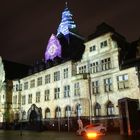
(108,85)
(95,87)
(23,100)
(56,93)
(67,91)
(94,67)
(47,79)
(37,97)
(29,98)
(76,89)
(106,64)
(32,83)
(83,69)
(93,48)
(39,81)
(47,95)
(65,73)
(57,76)
(103,44)
(17,87)
(25,85)
(122,81)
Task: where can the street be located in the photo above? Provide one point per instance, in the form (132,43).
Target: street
(51,135)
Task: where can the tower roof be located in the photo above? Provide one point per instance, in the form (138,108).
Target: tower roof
(67,23)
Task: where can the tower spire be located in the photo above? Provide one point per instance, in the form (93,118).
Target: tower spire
(67,23)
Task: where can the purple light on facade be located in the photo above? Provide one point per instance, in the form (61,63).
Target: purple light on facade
(53,48)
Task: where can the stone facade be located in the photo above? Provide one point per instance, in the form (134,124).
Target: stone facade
(75,84)
(2,90)
(87,87)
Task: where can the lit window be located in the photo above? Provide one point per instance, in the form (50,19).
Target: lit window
(47,113)
(122,81)
(76,89)
(67,91)
(68,111)
(66,73)
(58,112)
(110,108)
(95,87)
(82,69)
(56,93)
(106,64)
(38,97)
(47,95)
(23,100)
(97,109)
(94,67)
(30,98)
(79,110)
(108,84)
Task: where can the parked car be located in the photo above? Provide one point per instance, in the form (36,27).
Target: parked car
(95,128)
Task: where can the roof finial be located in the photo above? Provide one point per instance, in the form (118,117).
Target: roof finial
(66,3)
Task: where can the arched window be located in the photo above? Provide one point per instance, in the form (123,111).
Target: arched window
(47,113)
(58,112)
(110,108)
(97,108)
(79,110)
(17,116)
(24,115)
(68,111)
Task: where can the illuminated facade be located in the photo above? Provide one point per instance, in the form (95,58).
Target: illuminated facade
(89,87)
(2,91)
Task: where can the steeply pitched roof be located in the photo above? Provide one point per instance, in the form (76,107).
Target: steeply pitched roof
(15,70)
(101,29)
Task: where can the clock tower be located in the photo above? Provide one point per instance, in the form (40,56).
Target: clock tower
(53,48)
(67,43)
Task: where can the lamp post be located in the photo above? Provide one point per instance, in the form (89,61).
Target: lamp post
(20,108)
(21,117)
(90,100)
(58,115)
(68,115)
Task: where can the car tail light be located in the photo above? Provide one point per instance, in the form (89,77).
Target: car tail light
(91,135)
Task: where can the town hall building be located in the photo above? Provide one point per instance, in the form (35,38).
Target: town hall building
(78,78)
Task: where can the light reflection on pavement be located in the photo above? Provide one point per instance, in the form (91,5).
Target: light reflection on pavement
(50,135)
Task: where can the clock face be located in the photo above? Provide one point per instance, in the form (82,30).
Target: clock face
(52,49)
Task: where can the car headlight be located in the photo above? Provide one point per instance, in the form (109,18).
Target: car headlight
(91,135)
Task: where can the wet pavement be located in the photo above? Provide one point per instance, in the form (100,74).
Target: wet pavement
(50,135)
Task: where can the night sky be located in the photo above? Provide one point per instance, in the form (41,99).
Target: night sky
(26,25)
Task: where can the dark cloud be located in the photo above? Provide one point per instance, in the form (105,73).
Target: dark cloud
(26,25)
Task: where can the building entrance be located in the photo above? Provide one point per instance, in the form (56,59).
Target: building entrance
(35,117)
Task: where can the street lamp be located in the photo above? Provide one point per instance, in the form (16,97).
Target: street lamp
(21,118)
(20,108)
(90,99)
(68,112)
